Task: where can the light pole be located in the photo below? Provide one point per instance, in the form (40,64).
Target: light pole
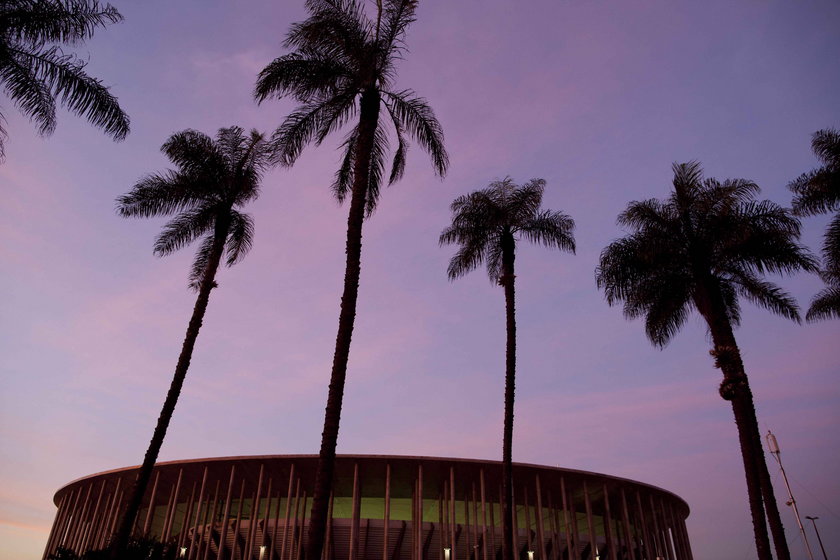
(773,445)
(817,531)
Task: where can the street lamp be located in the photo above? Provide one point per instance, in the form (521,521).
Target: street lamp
(814,522)
(773,445)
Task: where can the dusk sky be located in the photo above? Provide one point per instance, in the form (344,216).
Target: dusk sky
(598,98)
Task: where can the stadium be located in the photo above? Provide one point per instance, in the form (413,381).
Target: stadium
(383,507)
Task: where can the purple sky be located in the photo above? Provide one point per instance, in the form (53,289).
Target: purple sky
(598,98)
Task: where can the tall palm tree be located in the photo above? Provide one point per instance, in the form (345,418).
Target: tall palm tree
(486,225)
(34,71)
(342,69)
(707,244)
(818,192)
(214,180)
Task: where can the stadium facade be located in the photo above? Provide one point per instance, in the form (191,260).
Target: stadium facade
(383,507)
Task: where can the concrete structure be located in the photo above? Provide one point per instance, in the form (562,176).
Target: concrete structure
(383,507)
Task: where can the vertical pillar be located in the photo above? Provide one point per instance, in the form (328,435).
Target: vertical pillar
(212,525)
(625,518)
(640,512)
(226,515)
(528,539)
(419,524)
(452,543)
(608,528)
(354,522)
(254,514)
(303,527)
(185,526)
(566,529)
(540,522)
(96,520)
(265,517)
(151,511)
(54,529)
(193,547)
(482,492)
(286,516)
(593,542)
(236,532)
(387,515)
(80,521)
(276,527)
(171,510)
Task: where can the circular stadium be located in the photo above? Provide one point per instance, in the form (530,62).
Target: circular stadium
(383,507)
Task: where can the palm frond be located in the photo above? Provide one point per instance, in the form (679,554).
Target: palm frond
(311,121)
(831,247)
(767,295)
(240,237)
(376,170)
(421,124)
(198,270)
(301,76)
(194,153)
(28,92)
(54,21)
(344,176)
(183,229)
(159,195)
(825,305)
(65,77)
(552,229)
(397,16)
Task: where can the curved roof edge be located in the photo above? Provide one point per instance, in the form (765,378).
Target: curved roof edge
(369,456)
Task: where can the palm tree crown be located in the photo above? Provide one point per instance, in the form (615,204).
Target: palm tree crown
(706,231)
(818,192)
(34,74)
(340,62)
(214,179)
(484,220)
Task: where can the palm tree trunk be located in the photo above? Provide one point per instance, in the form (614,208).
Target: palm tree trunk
(507,280)
(138,491)
(735,388)
(368,121)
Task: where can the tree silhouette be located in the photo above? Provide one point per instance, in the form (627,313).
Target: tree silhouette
(35,74)
(214,180)
(342,67)
(486,225)
(818,192)
(707,244)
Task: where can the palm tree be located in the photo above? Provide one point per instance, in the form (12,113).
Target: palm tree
(818,192)
(341,69)
(707,244)
(34,74)
(214,180)
(486,225)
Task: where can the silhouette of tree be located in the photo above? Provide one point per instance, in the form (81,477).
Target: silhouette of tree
(343,66)
(818,192)
(707,244)
(486,225)
(34,74)
(214,180)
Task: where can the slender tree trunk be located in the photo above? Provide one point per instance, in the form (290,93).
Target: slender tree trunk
(368,121)
(735,388)
(507,280)
(138,491)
